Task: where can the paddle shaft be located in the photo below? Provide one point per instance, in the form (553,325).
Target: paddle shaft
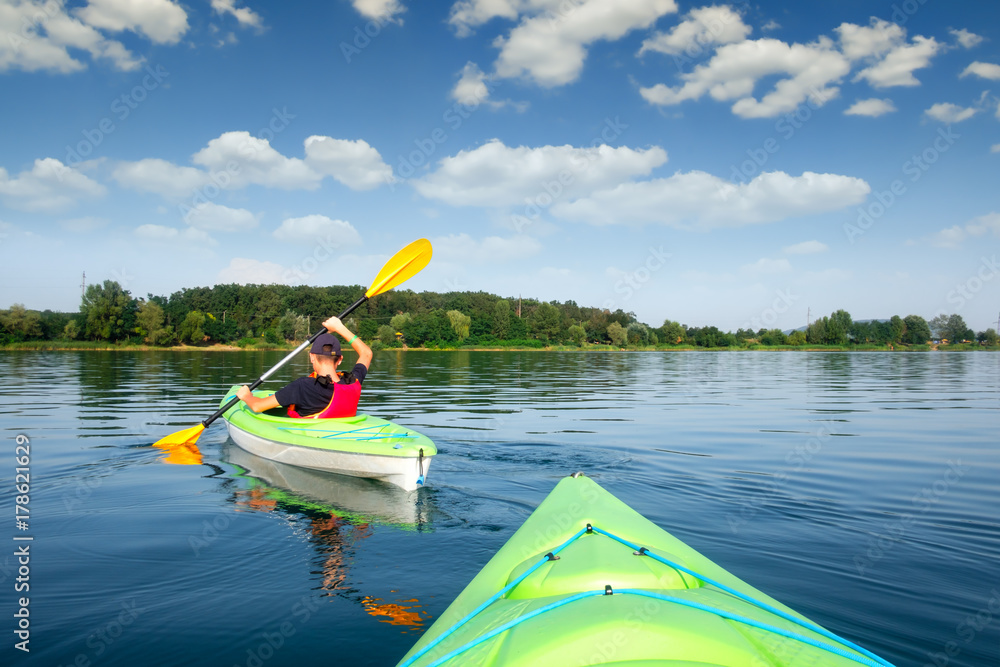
(291,355)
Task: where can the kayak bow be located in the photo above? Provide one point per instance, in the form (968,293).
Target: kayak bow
(589,581)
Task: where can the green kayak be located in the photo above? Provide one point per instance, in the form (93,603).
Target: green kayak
(359,446)
(589,581)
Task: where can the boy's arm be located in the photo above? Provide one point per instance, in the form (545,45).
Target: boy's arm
(256,403)
(334,325)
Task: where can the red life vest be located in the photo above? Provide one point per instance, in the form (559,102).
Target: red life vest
(343,404)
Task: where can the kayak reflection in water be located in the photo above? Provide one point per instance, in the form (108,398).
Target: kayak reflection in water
(325,392)
(335,537)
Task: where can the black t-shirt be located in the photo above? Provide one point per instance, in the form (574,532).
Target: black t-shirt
(309,395)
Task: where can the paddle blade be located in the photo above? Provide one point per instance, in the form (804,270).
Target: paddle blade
(188,436)
(404,265)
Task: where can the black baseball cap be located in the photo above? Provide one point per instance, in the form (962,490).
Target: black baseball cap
(327,345)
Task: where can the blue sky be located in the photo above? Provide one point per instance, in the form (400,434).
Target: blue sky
(728,164)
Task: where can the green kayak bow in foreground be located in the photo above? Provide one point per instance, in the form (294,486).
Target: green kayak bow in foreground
(589,581)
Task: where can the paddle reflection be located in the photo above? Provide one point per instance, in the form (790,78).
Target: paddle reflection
(340,511)
(183,454)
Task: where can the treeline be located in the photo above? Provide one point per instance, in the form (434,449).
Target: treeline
(255,315)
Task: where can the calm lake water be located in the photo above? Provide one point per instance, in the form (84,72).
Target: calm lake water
(861,489)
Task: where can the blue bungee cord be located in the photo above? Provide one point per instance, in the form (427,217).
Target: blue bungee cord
(867,658)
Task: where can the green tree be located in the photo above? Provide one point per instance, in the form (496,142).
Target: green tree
(21,323)
(71,331)
(797,337)
(637,333)
(837,328)
(916,332)
(938,325)
(190,330)
(386,334)
(577,334)
(546,322)
(955,329)
(398,321)
(672,332)
(774,337)
(897,328)
(617,334)
(109,311)
(988,337)
(500,319)
(460,323)
(150,320)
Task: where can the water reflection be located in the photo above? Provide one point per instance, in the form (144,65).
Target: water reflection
(339,512)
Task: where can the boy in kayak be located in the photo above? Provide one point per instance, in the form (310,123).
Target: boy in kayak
(324,393)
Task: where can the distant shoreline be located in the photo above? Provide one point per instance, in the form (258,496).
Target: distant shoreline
(74,346)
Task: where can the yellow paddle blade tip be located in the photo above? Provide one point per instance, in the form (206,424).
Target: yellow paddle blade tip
(188,436)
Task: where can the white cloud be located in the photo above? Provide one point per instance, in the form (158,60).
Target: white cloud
(950,113)
(354,163)
(316,228)
(806,248)
(873,107)
(213,217)
(38,36)
(954,236)
(258,163)
(807,72)
(697,200)
(989,71)
(463,249)
(49,186)
(701,29)
(236,160)
(876,39)
(995,148)
(160,177)
(965,38)
(896,68)
(549,48)
(767,266)
(188,237)
(245,16)
(498,175)
(163,21)
(771,26)
(734,70)
(379,10)
(468,14)
(245,271)
(471,89)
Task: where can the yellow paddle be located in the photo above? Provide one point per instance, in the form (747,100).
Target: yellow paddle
(404,265)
